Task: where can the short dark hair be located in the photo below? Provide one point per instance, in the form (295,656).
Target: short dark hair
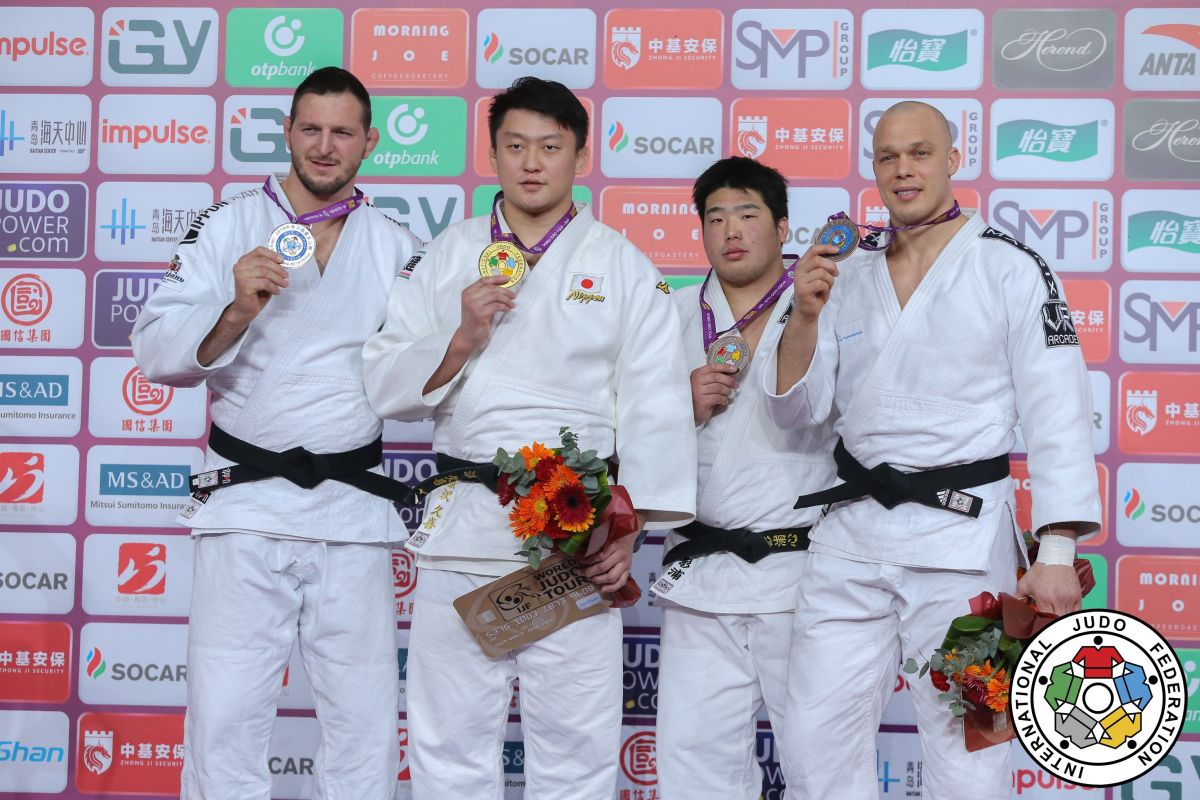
(334,80)
(548,98)
(746,174)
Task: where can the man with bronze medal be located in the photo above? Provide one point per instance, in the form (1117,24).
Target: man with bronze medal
(533,318)
(928,345)
(271,296)
(729,579)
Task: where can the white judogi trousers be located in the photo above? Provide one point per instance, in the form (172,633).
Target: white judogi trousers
(854,622)
(252,596)
(458,703)
(716,673)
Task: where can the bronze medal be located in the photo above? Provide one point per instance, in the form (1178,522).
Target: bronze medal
(841,233)
(732,350)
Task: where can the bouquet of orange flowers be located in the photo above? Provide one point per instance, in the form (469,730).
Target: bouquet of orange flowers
(558,495)
(973,668)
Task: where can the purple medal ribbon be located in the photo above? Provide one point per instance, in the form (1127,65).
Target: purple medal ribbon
(867,243)
(543,244)
(709,320)
(339,209)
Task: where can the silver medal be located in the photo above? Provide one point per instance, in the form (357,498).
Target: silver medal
(295,242)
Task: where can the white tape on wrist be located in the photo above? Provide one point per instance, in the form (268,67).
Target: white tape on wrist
(1054,548)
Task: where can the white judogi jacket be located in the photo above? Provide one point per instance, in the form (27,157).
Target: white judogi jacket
(750,474)
(593,343)
(942,382)
(294,378)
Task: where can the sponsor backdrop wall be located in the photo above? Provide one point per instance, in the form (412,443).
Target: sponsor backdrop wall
(1080,134)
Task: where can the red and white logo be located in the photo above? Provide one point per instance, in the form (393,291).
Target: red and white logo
(586,283)
(123,754)
(157,133)
(638,759)
(405,774)
(144,397)
(35,662)
(141,568)
(26,299)
(626,47)
(404,571)
(97,751)
(1141,410)
(22,477)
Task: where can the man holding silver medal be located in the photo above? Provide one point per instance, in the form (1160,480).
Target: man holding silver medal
(728,588)
(928,345)
(569,325)
(268,300)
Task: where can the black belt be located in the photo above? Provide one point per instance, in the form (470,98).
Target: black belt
(450,470)
(936,488)
(301,467)
(748,545)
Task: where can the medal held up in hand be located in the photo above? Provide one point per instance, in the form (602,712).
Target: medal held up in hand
(728,347)
(504,255)
(730,350)
(842,233)
(294,242)
(502,259)
(294,239)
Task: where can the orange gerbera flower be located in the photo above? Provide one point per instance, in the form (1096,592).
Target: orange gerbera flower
(980,672)
(573,508)
(535,453)
(997,689)
(530,514)
(561,477)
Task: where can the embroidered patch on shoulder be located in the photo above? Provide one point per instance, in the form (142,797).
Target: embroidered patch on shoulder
(174,274)
(1057,325)
(663,287)
(406,271)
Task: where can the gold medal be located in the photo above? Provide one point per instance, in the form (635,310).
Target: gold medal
(731,350)
(502,259)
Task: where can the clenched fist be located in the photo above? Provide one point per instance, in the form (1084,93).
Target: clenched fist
(257,276)
(481,301)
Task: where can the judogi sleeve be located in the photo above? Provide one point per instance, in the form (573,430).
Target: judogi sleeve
(809,401)
(399,360)
(656,435)
(195,290)
(1054,407)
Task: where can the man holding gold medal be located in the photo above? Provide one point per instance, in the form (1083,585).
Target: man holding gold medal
(729,582)
(928,349)
(513,325)
(268,300)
